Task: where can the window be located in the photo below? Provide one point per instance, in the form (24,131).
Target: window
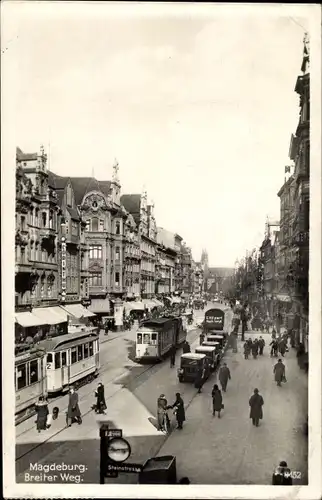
(64,358)
(154,339)
(57,360)
(117,228)
(95,251)
(79,352)
(91,349)
(51,219)
(33,370)
(94,224)
(74,228)
(69,196)
(146,338)
(139,338)
(23,223)
(21,377)
(85,351)
(88,224)
(101,225)
(95,279)
(73,355)
(36,221)
(44,219)
(117,279)
(117,253)
(49,358)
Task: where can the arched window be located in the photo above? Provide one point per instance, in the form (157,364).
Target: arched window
(94,224)
(117,227)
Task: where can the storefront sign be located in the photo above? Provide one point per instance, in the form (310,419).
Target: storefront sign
(63,268)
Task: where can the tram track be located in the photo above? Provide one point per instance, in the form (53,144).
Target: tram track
(193,333)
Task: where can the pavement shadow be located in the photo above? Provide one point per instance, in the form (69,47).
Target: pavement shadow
(130,349)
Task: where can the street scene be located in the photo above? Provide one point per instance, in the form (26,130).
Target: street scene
(162,245)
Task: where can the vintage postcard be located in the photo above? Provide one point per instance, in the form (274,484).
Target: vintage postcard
(161,248)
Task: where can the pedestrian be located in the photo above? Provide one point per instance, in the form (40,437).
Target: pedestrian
(255,348)
(179,412)
(100,399)
(246,349)
(224,376)
(261,345)
(250,344)
(163,418)
(279,371)
(173,356)
(201,338)
(42,413)
(282,347)
(282,475)
(256,411)
(106,328)
(217,404)
(200,378)
(274,348)
(186,347)
(300,354)
(73,411)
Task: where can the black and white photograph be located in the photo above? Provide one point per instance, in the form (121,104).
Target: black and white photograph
(161,248)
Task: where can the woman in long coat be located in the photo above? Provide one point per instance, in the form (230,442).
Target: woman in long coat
(73,411)
(178,406)
(216,400)
(256,411)
(279,371)
(100,399)
(42,414)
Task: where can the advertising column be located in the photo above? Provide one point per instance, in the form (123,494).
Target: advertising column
(118,314)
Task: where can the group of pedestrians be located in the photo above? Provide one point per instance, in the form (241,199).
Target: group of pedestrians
(162,412)
(254,347)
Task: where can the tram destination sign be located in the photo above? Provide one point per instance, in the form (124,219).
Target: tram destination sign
(215,317)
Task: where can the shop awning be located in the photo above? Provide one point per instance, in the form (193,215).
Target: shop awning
(100,306)
(157,302)
(134,306)
(78,311)
(27,319)
(51,315)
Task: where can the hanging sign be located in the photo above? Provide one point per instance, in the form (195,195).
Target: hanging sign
(63,268)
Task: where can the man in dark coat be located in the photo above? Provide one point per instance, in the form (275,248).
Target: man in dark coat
(274,348)
(282,475)
(224,376)
(73,411)
(100,399)
(178,407)
(200,379)
(279,371)
(300,355)
(261,345)
(173,356)
(186,347)
(201,338)
(256,412)
(216,400)
(255,348)
(42,413)
(246,349)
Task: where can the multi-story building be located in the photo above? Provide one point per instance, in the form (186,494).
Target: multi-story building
(300,154)
(132,258)
(100,208)
(165,265)
(143,215)
(187,271)
(198,278)
(36,245)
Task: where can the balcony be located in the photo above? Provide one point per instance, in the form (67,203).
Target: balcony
(23,267)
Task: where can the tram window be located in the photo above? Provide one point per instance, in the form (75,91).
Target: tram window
(21,377)
(154,338)
(79,352)
(33,371)
(91,349)
(85,350)
(57,360)
(139,338)
(146,338)
(49,358)
(73,355)
(64,358)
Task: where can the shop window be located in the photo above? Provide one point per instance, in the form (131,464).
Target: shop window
(64,358)
(85,351)
(94,224)
(79,352)
(21,377)
(73,355)
(91,349)
(57,360)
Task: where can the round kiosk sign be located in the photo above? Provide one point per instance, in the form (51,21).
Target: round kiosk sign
(118,450)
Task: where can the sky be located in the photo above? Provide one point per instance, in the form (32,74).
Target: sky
(198,109)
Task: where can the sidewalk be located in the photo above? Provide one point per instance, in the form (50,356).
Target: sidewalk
(231,450)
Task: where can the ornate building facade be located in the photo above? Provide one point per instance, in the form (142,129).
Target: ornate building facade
(132,258)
